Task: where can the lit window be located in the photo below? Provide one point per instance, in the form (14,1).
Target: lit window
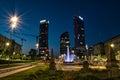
(81,42)
(65,37)
(78,37)
(82,28)
(67,42)
(82,34)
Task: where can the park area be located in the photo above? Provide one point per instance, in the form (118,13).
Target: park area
(45,73)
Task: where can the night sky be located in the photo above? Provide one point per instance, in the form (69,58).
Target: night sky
(101,19)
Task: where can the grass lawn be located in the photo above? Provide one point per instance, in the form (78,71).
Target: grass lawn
(24,74)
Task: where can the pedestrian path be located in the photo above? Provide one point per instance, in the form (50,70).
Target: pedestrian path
(16,71)
(3,70)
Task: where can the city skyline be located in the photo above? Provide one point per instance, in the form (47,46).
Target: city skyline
(101,19)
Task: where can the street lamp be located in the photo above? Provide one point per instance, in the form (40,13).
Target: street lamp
(37,45)
(14,21)
(7,44)
(73,51)
(37,49)
(112,45)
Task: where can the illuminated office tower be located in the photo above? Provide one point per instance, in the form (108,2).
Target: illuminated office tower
(79,35)
(43,38)
(64,42)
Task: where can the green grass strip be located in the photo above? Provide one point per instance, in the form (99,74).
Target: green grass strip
(24,74)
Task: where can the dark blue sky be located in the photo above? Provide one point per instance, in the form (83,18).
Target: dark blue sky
(101,19)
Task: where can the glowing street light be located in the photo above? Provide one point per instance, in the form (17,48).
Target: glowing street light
(73,51)
(112,45)
(37,45)
(14,21)
(7,44)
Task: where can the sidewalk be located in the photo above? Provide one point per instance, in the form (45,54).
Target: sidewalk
(16,71)
(3,70)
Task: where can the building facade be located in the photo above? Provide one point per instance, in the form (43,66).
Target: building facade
(104,47)
(43,38)
(79,35)
(8,46)
(99,49)
(64,42)
(114,40)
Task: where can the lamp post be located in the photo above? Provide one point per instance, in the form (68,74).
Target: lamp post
(111,55)
(37,47)
(6,49)
(13,24)
(7,44)
(14,20)
(112,45)
(112,63)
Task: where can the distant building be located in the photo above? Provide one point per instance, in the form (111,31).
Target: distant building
(43,38)
(114,40)
(103,48)
(99,49)
(79,35)
(8,46)
(64,42)
(89,50)
(33,54)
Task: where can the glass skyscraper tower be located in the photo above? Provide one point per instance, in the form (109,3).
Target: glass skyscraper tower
(79,35)
(43,38)
(64,42)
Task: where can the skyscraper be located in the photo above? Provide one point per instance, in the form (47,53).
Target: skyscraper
(43,38)
(79,35)
(64,42)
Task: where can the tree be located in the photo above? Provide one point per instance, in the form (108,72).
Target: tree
(33,54)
